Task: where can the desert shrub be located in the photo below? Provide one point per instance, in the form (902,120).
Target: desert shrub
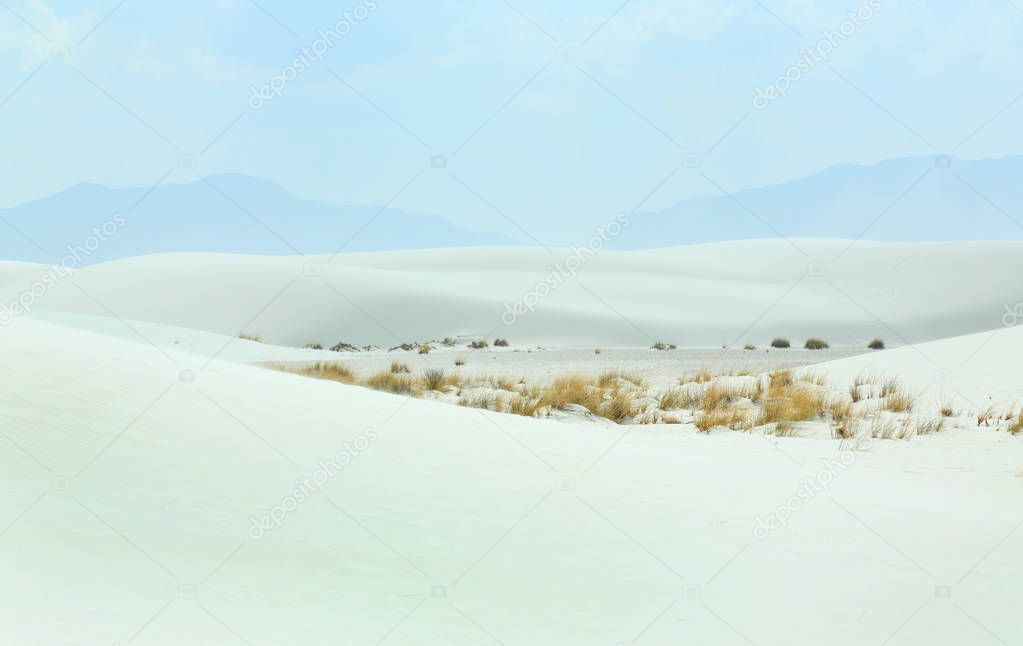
(324,370)
(779,342)
(478,399)
(397,367)
(816,344)
(425,348)
(459,362)
(500,343)
(526,404)
(341,346)
(448,341)
(617,407)
(737,419)
(597,351)
(661,345)
(1016,425)
(896,399)
(876,344)
(433,379)
(313,346)
(250,337)
(479,344)
(749,346)
(388,381)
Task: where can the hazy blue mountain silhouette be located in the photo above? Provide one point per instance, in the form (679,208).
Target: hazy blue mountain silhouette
(224,213)
(908,199)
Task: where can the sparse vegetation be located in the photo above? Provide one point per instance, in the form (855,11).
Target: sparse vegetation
(749,346)
(434,379)
(500,343)
(459,362)
(390,382)
(397,367)
(780,402)
(250,337)
(479,344)
(816,344)
(876,344)
(313,346)
(425,348)
(661,345)
(1016,425)
(779,342)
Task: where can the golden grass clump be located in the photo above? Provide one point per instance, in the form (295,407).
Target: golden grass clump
(390,382)
(397,367)
(1016,425)
(896,399)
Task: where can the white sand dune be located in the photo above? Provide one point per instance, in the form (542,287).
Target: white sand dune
(971,372)
(705,295)
(128,492)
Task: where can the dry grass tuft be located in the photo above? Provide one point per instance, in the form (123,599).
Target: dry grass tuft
(895,398)
(435,379)
(1016,425)
(390,382)
(397,367)
(250,337)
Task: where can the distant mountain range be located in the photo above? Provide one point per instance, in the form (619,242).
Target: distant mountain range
(922,199)
(222,213)
(929,198)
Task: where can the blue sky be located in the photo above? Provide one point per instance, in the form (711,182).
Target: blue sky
(554,115)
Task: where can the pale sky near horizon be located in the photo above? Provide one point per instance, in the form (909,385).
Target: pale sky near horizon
(556,115)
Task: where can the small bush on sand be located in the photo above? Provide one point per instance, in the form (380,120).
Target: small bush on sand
(897,399)
(313,346)
(479,344)
(448,341)
(500,343)
(749,346)
(661,345)
(1016,426)
(397,367)
(433,379)
(597,351)
(425,348)
(324,370)
(816,344)
(779,342)
(390,382)
(250,337)
(876,344)
(459,362)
